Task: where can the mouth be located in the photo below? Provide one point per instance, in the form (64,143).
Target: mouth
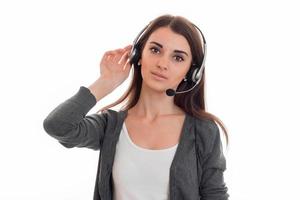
(160,76)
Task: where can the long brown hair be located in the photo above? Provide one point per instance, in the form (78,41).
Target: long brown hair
(192,102)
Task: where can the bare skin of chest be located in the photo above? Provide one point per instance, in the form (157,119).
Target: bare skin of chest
(160,134)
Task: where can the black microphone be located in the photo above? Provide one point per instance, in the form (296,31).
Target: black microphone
(170,92)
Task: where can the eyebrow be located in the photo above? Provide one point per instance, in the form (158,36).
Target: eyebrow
(176,51)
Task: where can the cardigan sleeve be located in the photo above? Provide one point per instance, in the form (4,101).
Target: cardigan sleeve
(213,164)
(69,124)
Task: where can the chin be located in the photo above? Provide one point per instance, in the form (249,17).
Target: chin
(159,88)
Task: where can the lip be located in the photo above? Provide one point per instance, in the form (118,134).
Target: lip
(159,75)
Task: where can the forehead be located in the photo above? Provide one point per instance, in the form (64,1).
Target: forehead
(169,39)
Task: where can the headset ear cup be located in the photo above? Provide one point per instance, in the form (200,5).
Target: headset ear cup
(191,75)
(196,75)
(134,56)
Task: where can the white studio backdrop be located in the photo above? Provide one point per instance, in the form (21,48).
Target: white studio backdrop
(48,49)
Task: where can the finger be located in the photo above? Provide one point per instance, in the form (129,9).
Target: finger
(109,52)
(108,55)
(127,62)
(113,52)
(115,55)
(128,47)
(118,51)
(124,57)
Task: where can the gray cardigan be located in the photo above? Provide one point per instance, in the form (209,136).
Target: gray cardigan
(197,168)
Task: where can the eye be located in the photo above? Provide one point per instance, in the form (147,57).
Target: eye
(154,50)
(178,58)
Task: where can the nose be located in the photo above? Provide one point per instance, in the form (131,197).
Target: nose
(163,63)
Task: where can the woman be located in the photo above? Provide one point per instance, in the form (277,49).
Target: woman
(162,144)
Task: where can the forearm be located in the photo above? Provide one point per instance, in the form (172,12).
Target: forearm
(101,87)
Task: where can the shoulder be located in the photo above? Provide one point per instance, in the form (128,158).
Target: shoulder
(111,115)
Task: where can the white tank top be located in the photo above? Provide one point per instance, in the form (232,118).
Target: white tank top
(140,173)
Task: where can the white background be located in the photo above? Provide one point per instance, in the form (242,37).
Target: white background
(48,49)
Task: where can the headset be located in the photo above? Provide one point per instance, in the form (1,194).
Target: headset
(195,72)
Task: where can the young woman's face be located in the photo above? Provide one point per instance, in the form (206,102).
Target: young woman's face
(168,54)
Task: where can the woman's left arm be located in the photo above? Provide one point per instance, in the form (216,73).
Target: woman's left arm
(212,185)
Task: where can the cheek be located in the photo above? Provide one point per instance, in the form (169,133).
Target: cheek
(147,65)
(144,71)
(182,72)
(148,60)
(177,77)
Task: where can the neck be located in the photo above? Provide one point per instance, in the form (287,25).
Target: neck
(153,104)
